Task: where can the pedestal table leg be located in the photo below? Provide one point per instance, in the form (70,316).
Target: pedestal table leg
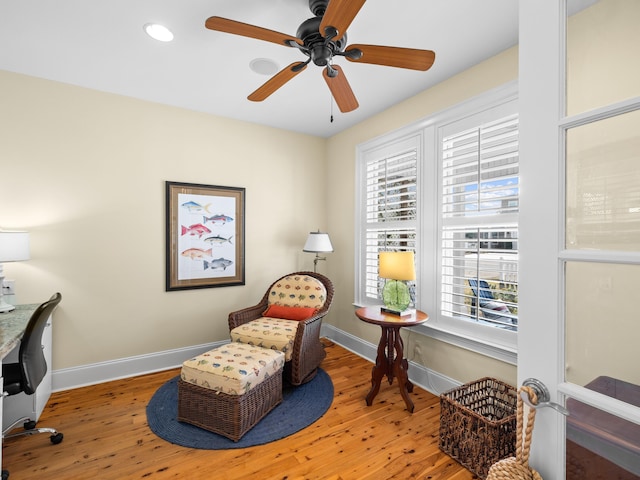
(390,361)
(381,367)
(400,369)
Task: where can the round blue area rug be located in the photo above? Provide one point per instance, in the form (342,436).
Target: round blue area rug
(301,406)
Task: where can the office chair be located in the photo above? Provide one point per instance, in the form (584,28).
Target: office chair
(28,372)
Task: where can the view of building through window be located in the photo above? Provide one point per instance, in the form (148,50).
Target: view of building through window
(480,188)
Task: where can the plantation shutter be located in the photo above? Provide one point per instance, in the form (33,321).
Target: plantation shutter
(391,211)
(480,188)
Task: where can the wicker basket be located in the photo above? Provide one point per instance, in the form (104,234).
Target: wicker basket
(478,423)
(228,415)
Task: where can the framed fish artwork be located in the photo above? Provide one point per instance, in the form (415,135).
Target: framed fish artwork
(205,236)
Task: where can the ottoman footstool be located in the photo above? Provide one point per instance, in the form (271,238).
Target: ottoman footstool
(229,389)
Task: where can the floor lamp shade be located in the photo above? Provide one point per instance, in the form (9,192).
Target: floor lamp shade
(14,247)
(396,267)
(317,242)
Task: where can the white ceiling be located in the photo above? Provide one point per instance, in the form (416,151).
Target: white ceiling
(101,45)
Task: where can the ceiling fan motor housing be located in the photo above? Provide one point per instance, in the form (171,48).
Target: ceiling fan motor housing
(319,49)
(318,7)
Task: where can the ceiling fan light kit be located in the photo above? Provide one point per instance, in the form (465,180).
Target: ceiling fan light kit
(321,38)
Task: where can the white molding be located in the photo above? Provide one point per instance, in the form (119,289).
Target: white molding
(601,256)
(419,375)
(76,377)
(468,342)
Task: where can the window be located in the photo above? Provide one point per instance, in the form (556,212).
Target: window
(390,178)
(479,235)
(447,188)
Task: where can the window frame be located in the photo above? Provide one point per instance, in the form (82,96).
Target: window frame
(377,151)
(487,340)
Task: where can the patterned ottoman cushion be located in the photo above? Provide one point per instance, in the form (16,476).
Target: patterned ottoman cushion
(270,333)
(233,369)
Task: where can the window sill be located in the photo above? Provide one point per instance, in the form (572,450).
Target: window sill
(504,351)
(487,341)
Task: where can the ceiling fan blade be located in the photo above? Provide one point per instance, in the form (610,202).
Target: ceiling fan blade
(278,80)
(244,29)
(340,14)
(411,58)
(341,90)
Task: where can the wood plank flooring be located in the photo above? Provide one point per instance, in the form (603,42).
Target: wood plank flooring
(106,437)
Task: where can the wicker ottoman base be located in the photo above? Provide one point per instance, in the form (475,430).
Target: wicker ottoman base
(228,415)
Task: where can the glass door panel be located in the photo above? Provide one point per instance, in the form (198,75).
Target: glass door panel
(602,323)
(602,48)
(603,184)
(602,239)
(601,445)
(601,354)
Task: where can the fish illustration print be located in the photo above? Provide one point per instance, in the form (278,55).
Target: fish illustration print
(218,263)
(193,207)
(197,229)
(218,240)
(196,253)
(220,218)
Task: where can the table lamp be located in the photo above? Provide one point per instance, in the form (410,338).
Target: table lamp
(14,247)
(318,242)
(396,267)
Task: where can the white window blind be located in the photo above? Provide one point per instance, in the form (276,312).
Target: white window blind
(391,210)
(479,238)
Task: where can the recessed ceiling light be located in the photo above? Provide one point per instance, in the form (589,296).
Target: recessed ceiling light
(263,66)
(158,32)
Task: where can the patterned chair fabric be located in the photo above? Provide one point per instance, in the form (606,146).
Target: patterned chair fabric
(272,333)
(233,369)
(298,291)
(298,340)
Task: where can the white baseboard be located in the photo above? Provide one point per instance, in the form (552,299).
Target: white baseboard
(75,377)
(420,375)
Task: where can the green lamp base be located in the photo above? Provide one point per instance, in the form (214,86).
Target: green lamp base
(396,297)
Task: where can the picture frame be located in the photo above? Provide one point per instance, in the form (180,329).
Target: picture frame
(205,236)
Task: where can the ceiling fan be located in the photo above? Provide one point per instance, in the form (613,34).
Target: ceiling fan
(321,38)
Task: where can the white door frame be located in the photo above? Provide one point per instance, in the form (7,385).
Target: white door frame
(540,332)
(541,341)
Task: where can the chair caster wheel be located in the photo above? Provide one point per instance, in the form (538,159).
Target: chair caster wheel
(5,474)
(57,438)
(29,425)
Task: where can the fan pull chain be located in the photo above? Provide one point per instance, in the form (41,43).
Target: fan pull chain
(331,107)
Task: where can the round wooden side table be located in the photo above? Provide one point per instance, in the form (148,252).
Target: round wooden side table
(390,359)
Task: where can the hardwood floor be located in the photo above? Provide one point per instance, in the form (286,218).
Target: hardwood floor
(106,437)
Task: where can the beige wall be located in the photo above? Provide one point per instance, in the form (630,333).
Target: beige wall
(84,172)
(94,204)
(457,363)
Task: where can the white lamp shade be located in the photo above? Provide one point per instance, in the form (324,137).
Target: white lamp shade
(14,246)
(396,265)
(318,242)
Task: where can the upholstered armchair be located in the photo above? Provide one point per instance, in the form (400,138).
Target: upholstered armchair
(288,318)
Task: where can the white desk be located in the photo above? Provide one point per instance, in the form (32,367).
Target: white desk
(12,327)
